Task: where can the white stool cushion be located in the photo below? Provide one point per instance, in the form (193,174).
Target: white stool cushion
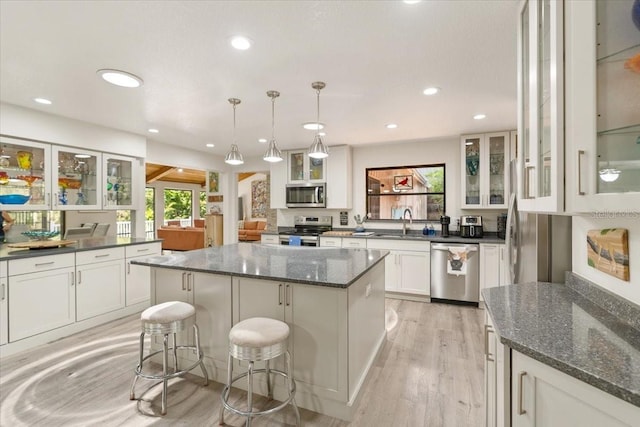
(258,332)
(168,312)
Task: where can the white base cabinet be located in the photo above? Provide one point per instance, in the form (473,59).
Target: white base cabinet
(4,312)
(544,396)
(493,267)
(41,300)
(100,284)
(138,277)
(407,267)
(497,377)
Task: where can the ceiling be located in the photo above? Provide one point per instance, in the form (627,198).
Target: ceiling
(376,58)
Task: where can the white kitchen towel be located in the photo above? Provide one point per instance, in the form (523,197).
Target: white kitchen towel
(457,262)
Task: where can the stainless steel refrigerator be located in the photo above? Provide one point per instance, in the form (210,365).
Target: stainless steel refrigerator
(538,245)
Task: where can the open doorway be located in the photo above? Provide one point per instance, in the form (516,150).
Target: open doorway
(254,205)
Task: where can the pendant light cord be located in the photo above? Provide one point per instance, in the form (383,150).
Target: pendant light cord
(234,123)
(318,116)
(273,121)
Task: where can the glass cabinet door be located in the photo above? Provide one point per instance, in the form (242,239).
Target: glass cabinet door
(316,169)
(24,170)
(303,168)
(118,181)
(76,179)
(296,166)
(472,167)
(498,149)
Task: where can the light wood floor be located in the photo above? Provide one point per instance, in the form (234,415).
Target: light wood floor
(429,373)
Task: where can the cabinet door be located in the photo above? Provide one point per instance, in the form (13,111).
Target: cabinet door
(100,288)
(496,191)
(333,242)
(391,272)
(489,267)
(339,178)
(52,292)
(414,272)
(303,168)
(76,179)
(212,296)
(25,175)
(541,108)
(171,285)
(119,181)
(544,396)
(278,177)
(603,124)
(354,242)
(260,298)
(490,377)
(472,163)
(318,319)
(4,313)
(503,268)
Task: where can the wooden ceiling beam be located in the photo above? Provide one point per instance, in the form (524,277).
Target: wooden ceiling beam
(157,175)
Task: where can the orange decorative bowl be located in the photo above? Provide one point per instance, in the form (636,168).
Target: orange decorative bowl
(29,179)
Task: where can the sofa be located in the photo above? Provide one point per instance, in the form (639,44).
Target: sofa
(249,231)
(176,238)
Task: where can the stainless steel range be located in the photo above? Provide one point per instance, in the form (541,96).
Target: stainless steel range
(306,230)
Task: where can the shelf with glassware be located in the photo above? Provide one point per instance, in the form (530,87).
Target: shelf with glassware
(303,168)
(119,176)
(485,161)
(76,179)
(540,107)
(602,104)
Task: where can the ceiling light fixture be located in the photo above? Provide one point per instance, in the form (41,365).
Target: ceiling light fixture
(391,126)
(234,157)
(262,140)
(180,170)
(152,130)
(322,133)
(43,101)
(609,175)
(411,1)
(210,145)
(313,125)
(479,116)
(120,78)
(273,154)
(431,91)
(241,43)
(318,150)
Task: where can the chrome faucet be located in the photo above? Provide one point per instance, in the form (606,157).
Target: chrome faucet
(404,222)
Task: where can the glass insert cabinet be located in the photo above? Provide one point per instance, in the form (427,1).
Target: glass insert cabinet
(303,168)
(485,170)
(25,182)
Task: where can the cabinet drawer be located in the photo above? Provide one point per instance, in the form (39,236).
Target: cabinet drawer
(397,245)
(354,242)
(270,239)
(145,249)
(40,263)
(99,255)
(335,242)
(3,268)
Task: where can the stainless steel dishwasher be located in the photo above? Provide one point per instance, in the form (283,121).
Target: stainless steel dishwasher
(455,273)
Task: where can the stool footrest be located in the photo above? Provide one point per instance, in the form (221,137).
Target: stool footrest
(138,370)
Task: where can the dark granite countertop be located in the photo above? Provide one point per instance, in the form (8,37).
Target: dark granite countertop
(563,327)
(413,235)
(333,267)
(85,244)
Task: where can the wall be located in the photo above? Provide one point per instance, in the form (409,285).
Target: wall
(244,191)
(629,220)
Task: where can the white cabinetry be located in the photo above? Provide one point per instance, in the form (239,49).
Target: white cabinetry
(407,267)
(278,178)
(76,179)
(497,368)
(318,318)
(100,282)
(354,242)
(602,107)
(138,277)
(4,313)
(333,242)
(119,181)
(42,294)
(269,239)
(303,168)
(339,178)
(493,268)
(544,396)
(485,171)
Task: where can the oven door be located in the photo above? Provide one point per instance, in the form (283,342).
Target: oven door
(294,240)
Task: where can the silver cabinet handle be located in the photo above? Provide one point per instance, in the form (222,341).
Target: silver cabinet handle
(580,154)
(101,256)
(55,199)
(72,278)
(184,285)
(487,331)
(40,264)
(288,293)
(3,294)
(280,294)
(79,276)
(48,198)
(189,282)
(129,267)
(142,250)
(521,375)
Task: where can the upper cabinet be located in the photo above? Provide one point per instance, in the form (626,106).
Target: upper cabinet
(485,171)
(303,168)
(602,54)
(540,107)
(39,176)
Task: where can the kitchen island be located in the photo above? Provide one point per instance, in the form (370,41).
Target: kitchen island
(331,298)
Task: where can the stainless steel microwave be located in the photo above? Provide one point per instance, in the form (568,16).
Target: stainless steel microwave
(306,195)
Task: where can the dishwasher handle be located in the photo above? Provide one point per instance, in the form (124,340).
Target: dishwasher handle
(469,248)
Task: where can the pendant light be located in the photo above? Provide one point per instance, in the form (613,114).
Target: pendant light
(273,154)
(318,150)
(234,157)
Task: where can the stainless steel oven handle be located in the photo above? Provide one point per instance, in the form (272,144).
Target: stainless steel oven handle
(470,248)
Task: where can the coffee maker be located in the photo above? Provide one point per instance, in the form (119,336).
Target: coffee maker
(444,225)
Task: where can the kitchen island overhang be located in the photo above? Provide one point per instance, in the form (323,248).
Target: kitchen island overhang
(332,299)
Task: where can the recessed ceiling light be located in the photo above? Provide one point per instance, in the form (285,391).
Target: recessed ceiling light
(262,140)
(392,126)
(241,43)
(210,145)
(431,91)
(313,126)
(120,78)
(43,101)
(479,116)
(152,130)
(180,170)
(411,1)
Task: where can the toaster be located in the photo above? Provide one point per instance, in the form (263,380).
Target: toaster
(471,226)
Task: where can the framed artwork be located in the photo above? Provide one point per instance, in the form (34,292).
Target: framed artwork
(259,202)
(214,199)
(214,180)
(403,182)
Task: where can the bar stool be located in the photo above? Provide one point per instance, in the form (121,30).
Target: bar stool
(253,340)
(164,319)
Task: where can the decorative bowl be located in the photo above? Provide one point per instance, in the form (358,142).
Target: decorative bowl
(40,234)
(14,199)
